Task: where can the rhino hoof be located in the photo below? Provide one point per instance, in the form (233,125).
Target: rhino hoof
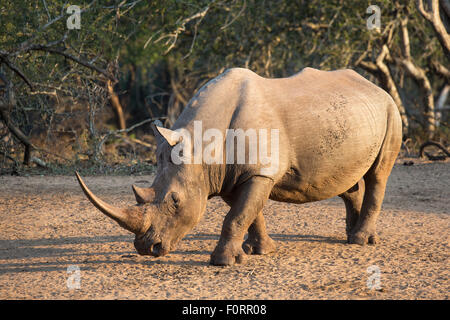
(253,246)
(363,238)
(228,257)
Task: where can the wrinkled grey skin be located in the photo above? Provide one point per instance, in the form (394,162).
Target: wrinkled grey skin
(339,134)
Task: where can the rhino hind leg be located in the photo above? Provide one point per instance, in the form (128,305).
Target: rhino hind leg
(375,183)
(248,201)
(258,240)
(364,232)
(353,199)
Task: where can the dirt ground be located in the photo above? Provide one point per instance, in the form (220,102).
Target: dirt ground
(48,226)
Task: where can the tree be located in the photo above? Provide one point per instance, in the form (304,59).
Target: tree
(146,59)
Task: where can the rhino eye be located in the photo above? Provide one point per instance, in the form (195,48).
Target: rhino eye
(169,159)
(176,199)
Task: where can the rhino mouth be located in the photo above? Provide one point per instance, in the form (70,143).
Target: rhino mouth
(147,247)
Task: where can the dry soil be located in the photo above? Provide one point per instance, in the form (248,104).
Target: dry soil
(48,229)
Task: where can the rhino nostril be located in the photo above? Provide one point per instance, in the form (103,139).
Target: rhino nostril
(158,250)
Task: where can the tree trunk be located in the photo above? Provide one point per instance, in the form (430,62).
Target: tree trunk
(19,135)
(4,115)
(115,103)
(419,76)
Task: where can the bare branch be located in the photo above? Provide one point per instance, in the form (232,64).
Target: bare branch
(236,17)
(435,144)
(16,70)
(16,163)
(406,49)
(433,16)
(137,125)
(27,42)
(423,12)
(369,67)
(440,69)
(177,93)
(48,48)
(39,162)
(173,37)
(46,9)
(118,132)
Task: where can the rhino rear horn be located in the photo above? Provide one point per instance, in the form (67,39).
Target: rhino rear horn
(130,218)
(143,195)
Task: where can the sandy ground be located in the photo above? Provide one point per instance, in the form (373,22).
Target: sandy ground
(47,226)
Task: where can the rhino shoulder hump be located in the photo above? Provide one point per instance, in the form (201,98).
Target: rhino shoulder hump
(237,74)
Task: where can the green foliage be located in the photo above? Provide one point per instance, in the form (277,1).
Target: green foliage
(162,51)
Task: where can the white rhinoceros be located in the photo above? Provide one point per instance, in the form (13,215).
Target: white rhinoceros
(337,134)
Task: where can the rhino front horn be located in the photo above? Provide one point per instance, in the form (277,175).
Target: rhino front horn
(130,218)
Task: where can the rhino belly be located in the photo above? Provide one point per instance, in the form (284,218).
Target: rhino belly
(302,185)
(328,164)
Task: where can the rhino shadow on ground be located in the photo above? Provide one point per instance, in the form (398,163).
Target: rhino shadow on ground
(306,238)
(58,258)
(275,236)
(50,248)
(18,249)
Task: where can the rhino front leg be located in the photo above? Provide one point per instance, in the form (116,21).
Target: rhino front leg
(248,201)
(258,241)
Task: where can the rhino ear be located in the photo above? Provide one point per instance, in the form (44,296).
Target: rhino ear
(162,134)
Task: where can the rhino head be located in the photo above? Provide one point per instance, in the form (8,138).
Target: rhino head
(166,211)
